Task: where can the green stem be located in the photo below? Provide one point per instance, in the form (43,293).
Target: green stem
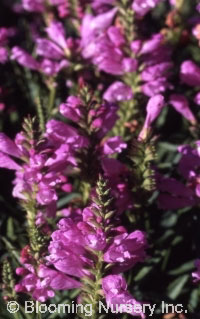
(126,113)
(16,315)
(40,114)
(97,286)
(91,288)
(39,316)
(52,95)
(27,316)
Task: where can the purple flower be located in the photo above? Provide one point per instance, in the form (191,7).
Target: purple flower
(129,65)
(154,107)
(167,201)
(56,33)
(54,49)
(190,160)
(43,169)
(174,194)
(57,280)
(50,67)
(102,43)
(156,58)
(118,91)
(59,133)
(107,57)
(117,174)
(48,49)
(189,167)
(181,105)
(5,33)
(45,194)
(31,284)
(126,250)
(117,296)
(92,28)
(114,145)
(155,52)
(96,240)
(136,46)
(156,71)
(23,58)
(71,109)
(171,185)
(142,7)
(7,162)
(7,146)
(113,284)
(190,73)
(196,274)
(3,55)
(64,154)
(102,5)
(54,52)
(33,5)
(115,36)
(62,6)
(42,281)
(152,44)
(105,118)
(198,7)
(197,98)
(67,249)
(155,87)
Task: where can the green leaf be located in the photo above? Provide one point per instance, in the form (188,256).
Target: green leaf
(10,229)
(188,266)
(175,287)
(169,219)
(194,299)
(143,272)
(12,250)
(66,199)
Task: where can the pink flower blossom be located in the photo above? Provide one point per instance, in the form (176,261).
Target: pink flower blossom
(116,294)
(181,105)
(190,73)
(117,92)
(154,107)
(142,7)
